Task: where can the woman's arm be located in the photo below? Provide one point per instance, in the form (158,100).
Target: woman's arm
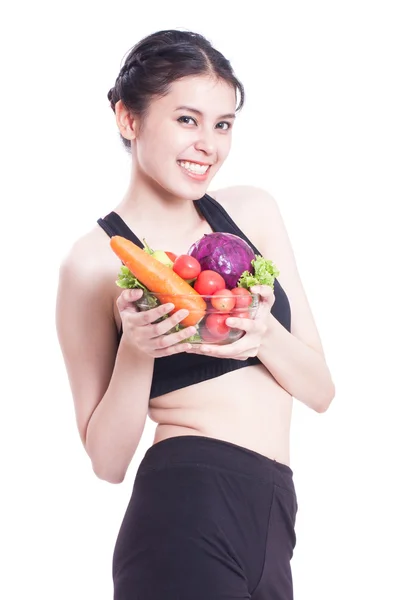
(116,425)
(296,358)
(110,384)
(298,368)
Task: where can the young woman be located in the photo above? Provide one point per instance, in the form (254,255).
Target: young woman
(213,508)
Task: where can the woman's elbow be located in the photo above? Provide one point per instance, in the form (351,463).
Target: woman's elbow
(111,476)
(325,399)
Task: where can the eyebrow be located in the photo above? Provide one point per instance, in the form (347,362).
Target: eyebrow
(198,112)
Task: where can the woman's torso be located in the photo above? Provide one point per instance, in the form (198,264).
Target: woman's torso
(245,406)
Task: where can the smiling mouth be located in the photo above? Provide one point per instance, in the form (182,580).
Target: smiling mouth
(194,167)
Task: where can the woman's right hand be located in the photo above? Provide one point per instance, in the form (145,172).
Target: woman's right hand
(147,336)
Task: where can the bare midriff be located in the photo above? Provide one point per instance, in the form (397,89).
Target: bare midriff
(246,407)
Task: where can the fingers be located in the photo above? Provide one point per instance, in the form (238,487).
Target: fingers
(236,350)
(151,330)
(164,326)
(149,316)
(126,303)
(266,293)
(127,297)
(255,328)
(172,343)
(247,325)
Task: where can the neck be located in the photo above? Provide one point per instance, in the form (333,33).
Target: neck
(147,202)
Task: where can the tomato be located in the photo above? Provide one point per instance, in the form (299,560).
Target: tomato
(208,282)
(243,297)
(216,325)
(206,336)
(186,266)
(172,256)
(223,300)
(244,314)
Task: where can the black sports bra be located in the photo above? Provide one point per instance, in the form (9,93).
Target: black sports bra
(181,370)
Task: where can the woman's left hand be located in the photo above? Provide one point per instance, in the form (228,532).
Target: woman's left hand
(255,330)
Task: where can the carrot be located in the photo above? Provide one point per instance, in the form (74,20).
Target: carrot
(160,279)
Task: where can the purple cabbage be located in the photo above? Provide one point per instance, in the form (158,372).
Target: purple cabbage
(225,253)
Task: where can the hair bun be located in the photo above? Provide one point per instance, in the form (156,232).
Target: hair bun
(109,96)
(127,67)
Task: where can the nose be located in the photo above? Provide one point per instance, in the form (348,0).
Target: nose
(206,143)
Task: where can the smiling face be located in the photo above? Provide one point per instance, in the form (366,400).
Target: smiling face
(185,136)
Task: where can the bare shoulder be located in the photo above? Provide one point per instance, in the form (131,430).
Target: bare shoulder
(242,197)
(257,213)
(86,286)
(245,200)
(91,264)
(90,254)
(241,193)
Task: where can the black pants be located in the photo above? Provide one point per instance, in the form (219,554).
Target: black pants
(207,520)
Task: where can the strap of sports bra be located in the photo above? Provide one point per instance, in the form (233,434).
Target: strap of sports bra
(113,224)
(220,220)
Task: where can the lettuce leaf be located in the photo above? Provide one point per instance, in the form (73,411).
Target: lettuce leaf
(127,280)
(196,337)
(265,272)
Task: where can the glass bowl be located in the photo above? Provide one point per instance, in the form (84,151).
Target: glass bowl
(208,319)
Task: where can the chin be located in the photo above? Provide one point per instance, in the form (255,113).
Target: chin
(179,185)
(188,191)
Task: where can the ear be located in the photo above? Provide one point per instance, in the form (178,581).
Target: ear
(126,121)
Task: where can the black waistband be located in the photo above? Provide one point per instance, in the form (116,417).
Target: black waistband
(212,452)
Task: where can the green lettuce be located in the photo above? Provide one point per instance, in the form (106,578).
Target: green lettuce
(265,272)
(127,280)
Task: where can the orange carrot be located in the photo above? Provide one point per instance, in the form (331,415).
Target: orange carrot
(160,279)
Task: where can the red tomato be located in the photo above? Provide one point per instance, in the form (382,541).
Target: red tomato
(186,266)
(217,327)
(223,300)
(208,282)
(243,297)
(206,336)
(244,314)
(172,256)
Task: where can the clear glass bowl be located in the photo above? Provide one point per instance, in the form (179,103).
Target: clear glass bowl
(208,320)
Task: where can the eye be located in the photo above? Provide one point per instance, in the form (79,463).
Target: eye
(224,125)
(186,120)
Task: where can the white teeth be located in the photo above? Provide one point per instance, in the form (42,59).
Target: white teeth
(193,167)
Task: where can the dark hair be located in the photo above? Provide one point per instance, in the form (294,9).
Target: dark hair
(162,58)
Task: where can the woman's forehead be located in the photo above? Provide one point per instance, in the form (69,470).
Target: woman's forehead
(203,93)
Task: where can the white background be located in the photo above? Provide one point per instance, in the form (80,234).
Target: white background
(321,132)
